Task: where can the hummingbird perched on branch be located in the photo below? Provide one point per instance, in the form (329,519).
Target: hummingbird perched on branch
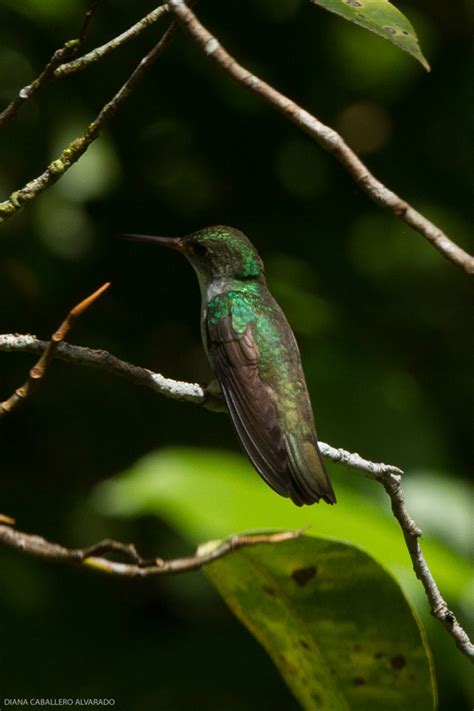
(255,357)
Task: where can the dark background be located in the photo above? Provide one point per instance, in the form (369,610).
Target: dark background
(381,317)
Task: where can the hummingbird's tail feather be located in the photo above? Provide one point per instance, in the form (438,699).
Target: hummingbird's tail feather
(309,480)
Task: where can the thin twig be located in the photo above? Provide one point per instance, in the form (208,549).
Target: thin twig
(39,547)
(192,392)
(387,475)
(38,371)
(59,57)
(353,460)
(88,19)
(327,138)
(79,146)
(94,55)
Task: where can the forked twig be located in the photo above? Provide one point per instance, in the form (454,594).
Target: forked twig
(38,371)
(92,557)
(61,55)
(79,146)
(97,53)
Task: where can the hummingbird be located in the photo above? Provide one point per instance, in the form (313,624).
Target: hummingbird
(255,357)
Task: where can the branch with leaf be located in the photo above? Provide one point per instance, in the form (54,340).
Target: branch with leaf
(270,581)
(388,22)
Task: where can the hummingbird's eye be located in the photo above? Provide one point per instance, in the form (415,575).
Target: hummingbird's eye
(200,250)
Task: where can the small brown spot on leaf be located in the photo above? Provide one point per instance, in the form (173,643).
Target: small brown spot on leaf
(358,681)
(379,655)
(301,576)
(392,30)
(354,3)
(304,644)
(291,669)
(357,648)
(270,591)
(398,662)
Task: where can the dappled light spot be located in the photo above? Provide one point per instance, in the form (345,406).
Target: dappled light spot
(302,576)
(365,126)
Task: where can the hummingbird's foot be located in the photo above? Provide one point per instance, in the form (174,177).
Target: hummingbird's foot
(213,398)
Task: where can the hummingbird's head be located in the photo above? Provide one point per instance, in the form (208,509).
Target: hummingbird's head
(222,253)
(216,253)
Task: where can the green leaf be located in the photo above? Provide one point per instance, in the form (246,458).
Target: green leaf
(334,622)
(208,493)
(381,17)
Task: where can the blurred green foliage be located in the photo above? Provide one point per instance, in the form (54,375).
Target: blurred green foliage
(380,316)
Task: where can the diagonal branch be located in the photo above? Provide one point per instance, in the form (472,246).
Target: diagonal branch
(137,567)
(175,389)
(327,138)
(95,54)
(59,57)
(80,145)
(191,392)
(412,534)
(38,371)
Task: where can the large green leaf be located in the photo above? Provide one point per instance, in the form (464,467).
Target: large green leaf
(335,623)
(381,17)
(207,493)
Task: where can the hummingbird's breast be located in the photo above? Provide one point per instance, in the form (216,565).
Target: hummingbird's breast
(279,364)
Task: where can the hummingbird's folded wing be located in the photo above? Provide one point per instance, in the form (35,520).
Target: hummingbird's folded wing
(235,360)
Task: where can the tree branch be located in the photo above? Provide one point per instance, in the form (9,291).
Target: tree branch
(412,534)
(92,557)
(38,371)
(175,389)
(99,52)
(79,146)
(48,73)
(387,475)
(191,392)
(327,138)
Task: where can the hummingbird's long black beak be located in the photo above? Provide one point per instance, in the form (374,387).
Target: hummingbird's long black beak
(172,242)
